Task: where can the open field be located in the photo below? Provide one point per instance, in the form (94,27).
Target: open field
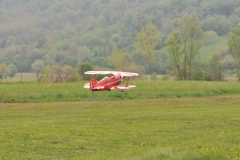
(166,128)
(52,92)
(217,45)
(20,77)
(157,120)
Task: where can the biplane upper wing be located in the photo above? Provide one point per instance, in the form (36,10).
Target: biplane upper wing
(128,74)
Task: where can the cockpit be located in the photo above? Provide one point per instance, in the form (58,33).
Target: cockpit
(106,78)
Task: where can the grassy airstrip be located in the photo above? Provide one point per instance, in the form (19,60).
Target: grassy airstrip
(156,120)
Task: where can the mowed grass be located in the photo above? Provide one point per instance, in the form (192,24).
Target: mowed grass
(166,128)
(52,92)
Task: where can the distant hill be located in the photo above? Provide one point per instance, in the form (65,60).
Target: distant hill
(72,31)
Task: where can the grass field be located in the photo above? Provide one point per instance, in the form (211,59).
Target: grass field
(172,128)
(215,46)
(156,120)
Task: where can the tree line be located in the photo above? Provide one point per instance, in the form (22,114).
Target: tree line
(54,73)
(182,48)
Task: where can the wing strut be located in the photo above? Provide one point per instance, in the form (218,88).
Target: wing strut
(127,82)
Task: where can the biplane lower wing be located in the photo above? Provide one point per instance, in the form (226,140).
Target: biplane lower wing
(123,88)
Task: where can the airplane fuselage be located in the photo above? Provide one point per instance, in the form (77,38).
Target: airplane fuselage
(107,83)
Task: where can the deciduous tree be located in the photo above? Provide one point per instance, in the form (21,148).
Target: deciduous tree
(4,70)
(234,47)
(147,41)
(215,68)
(68,70)
(83,67)
(174,51)
(13,70)
(192,39)
(118,60)
(38,66)
(183,46)
(210,35)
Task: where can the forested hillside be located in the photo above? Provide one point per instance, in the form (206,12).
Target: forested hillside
(72,31)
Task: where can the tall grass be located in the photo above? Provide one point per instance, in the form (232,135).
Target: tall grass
(49,92)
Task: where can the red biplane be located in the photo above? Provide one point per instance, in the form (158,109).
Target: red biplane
(108,83)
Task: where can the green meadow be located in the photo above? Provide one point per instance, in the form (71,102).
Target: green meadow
(156,120)
(217,45)
(172,128)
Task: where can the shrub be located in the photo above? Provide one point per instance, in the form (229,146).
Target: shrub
(165,78)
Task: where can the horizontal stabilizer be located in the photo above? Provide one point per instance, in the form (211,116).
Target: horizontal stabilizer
(87,85)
